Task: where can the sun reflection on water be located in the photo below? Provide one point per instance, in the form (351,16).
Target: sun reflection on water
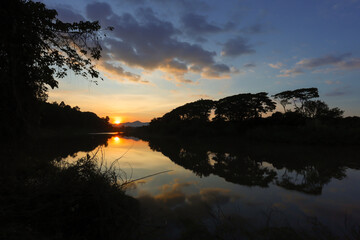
(116,140)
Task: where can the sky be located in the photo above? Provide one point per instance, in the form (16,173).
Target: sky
(163,54)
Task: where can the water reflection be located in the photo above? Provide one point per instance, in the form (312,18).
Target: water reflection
(222,184)
(302,168)
(305,169)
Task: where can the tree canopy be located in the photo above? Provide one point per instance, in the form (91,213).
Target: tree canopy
(243,106)
(233,108)
(319,109)
(37,49)
(198,110)
(296,96)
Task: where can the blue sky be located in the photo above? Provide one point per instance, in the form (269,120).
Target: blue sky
(163,54)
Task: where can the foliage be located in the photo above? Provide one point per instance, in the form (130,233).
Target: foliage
(233,108)
(56,116)
(284,98)
(54,200)
(301,96)
(36,49)
(199,110)
(243,106)
(239,114)
(319,109)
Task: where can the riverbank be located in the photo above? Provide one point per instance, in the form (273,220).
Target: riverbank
(339,132)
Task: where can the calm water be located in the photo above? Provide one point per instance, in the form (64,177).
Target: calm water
(256,184)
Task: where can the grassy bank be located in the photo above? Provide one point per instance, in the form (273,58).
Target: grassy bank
(53,200)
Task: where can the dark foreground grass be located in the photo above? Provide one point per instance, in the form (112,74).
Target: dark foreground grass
(45,200)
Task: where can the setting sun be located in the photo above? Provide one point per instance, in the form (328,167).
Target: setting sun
(117,121)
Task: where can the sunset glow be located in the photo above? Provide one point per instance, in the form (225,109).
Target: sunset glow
(117,121)
(115,140)
(217,54)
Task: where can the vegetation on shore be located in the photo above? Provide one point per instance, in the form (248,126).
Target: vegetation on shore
(62,119)
(36,51)
(251,117)
(42,199)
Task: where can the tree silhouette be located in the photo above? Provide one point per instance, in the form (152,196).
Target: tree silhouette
(198,110)
(301,96)
(319,109)
(36,49)
(243,106)
(284,98)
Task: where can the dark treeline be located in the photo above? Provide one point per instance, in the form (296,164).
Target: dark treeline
(55,117)
(251,115)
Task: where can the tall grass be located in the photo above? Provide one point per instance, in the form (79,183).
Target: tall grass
(79,200)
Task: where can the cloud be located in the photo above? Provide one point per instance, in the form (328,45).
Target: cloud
(250,65)
(236,47)
(118,73)
(277,65)
(143,40)
(331,82)
(338,92)
(216,71)
(352,64)
(187,5)
(325,64)
(339,62)
(197,24)
(254,29)
(290,72)
(67,14)
(175,67)
(322,61)
(98,11)
(175,70)
(135,2)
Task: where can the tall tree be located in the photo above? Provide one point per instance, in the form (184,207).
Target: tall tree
(199,110)
(243,106)
(36,48)
(284,98)
(301,96)
(319,109)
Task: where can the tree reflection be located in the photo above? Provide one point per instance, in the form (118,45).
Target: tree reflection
(310,178)
(242,170)
(294,167)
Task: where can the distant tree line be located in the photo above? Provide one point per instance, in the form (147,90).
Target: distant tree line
(60,115)
(304,117)
(247,106)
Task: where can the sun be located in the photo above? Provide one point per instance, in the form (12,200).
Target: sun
(117,120)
